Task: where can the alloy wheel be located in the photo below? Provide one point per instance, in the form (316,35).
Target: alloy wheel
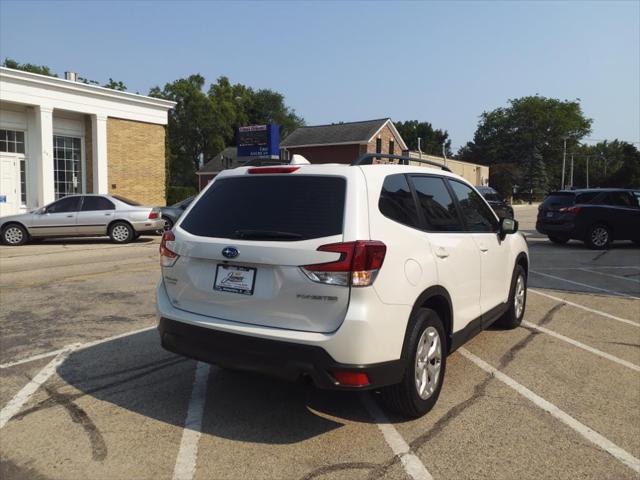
(120,233)
(599,236)
(13,235)
(428,362)
(518,299)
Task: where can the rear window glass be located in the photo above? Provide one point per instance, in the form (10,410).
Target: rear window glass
(437,205)
(559,200)
(396,201)
(277,208)
(586,197)
(126,200)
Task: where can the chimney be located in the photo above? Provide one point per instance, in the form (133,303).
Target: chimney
(73,76)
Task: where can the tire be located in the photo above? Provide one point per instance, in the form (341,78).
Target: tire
(560,240)
(14,234)
(121,232)
(512,318)
(426,334)
(598,237)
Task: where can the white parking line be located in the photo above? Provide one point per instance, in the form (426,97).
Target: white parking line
(624,267)
(411,463)
(588,433)
(613,292)
(589,349)
(590,270)
(185,468)
(16,403)
(587,309)
(76,346)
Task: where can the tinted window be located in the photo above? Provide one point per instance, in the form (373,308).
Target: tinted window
(127,201)
(477,215)
(302,206)
(437,205)
(637,196)
(559,200)
(396,201)
(66,204)
(586,197)
(91,203)
(619,199)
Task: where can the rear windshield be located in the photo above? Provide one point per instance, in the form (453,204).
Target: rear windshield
(277,208)
(559,200)
(126,200)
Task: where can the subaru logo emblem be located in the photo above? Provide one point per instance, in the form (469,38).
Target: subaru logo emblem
(230,252)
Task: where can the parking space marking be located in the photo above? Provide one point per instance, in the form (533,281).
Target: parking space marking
(602,267)
(612,292)
(411,463)
(76,346)
(185,468)
(592,310)
(591,435)
(587,348)
(609,275)
(23,396)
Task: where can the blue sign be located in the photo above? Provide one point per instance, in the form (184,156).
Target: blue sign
(3,199)
(258,141)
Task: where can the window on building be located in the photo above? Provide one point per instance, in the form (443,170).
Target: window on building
(437,205)
(478,216)
(378,145)
(92,203)
(392,147)
(23,181)
(67,165)
(396,201)
(11,141)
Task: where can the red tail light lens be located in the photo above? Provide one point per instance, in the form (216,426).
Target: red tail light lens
(574,210)
(358,264)
(351,379)
(273,170)
(167,256)
(153,215)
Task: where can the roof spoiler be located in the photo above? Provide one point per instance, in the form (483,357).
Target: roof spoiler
(367,159)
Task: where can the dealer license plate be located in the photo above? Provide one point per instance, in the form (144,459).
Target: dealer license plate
(235,279)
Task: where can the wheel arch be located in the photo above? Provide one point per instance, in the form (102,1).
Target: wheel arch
(15,222)
(523,261)
(436,298)
(119,220)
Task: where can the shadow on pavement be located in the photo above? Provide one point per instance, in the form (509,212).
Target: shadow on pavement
(136,374)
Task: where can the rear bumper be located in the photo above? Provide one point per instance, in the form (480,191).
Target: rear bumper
(287,360)
(148,225)
(555,228)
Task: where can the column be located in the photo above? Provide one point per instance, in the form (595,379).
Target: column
(43,158)
(99,137)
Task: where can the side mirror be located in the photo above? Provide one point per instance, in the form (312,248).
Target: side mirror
(508,226)
(42,211)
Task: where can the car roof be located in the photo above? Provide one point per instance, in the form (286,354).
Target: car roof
(590,190)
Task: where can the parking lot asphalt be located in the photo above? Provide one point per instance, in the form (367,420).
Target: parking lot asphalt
(86,391)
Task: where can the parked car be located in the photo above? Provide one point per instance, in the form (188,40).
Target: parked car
(495,201)
(171,213)
(82,215)
(594,216)
(278,270)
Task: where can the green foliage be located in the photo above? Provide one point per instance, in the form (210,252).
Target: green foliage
(611,164)
(177,194)
(529,124)
(503,178)
(28,67)
(202,124)
(432,139)
(119,85)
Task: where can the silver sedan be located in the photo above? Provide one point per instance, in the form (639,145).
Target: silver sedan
(82,215)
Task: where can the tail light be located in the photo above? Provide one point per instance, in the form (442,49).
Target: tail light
(153,215)
(167,256)
(351,379)
(574,210)
(273,169)
(358,264)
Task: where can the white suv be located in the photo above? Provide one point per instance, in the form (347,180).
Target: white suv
(355,276)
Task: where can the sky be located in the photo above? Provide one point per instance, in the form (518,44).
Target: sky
(441,62)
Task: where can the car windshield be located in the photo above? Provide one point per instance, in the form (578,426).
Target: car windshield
(126,200)
(492,197)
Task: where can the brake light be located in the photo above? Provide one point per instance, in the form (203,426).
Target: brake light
(574,210)
(358,264)
(167,256)
(351,379)
(273,169)
(153,215)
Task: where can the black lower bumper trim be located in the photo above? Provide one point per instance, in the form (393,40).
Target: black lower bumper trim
(287,360)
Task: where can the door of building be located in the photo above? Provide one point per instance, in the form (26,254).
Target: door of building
(67,165)
(9,185)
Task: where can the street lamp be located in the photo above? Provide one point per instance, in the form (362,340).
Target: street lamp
(564,161)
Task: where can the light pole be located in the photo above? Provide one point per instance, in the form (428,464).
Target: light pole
(564,160)
(571,179)
(420,148)
(444,153)
(587,171)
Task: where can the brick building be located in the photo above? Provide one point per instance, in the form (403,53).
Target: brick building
(60,137)
(343,142)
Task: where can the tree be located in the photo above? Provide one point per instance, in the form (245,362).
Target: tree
(432,139)
(611,164)
(28,67)
(120,86)
(511,134)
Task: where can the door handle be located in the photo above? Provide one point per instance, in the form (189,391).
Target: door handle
(107,214)
(69,216)
(442,252)
(483,248)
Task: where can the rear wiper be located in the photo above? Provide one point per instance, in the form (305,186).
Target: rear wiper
(266,234)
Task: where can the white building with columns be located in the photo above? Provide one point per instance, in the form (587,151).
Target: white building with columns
(60,137)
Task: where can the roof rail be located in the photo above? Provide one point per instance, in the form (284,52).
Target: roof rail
(367,159)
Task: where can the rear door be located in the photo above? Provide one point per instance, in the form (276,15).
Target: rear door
(94,215)
(242,243)
(59,218)
(456,253)
(622,214)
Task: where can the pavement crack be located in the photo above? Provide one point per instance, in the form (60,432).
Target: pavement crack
(599,256)
(551,313)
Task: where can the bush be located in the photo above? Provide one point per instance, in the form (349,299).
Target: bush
(176,194)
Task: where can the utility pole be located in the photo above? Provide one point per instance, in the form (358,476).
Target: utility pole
(564,160)
(571,179)
(444,154)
